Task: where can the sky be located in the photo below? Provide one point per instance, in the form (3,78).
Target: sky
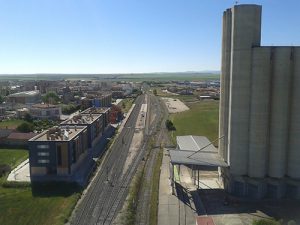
(127,36)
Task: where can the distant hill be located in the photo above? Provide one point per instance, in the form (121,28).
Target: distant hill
(209,74)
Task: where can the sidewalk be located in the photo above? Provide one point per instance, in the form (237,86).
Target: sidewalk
(20,173)
(185,205)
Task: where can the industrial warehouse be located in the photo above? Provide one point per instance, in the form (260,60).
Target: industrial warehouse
(259,124)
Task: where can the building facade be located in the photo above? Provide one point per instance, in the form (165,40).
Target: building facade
(26,97)
(45,111)
(105,112)
(259,122)
(59,154)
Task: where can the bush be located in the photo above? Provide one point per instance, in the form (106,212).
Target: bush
(15,184)
(266,222)
(28,117)
(169,125)
(25,127)
(4,169)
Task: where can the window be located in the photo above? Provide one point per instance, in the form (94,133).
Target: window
(43,153)
(43,146)
(43,161)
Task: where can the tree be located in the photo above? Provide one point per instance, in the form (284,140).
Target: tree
(51,98)
(28,117)
(170,126)
(1,99)
(155,92)
(25,127)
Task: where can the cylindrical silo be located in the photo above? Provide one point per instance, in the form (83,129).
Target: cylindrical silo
(294,134)
(246,25)
(224,90)
(279,111)
(259,113)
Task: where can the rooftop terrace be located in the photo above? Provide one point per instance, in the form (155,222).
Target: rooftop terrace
(82,119)
(59,133)
(94,110)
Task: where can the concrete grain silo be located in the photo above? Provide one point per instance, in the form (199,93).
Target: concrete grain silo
(224,90)
(294,134)
(281,79)
(259,110)
(245,34)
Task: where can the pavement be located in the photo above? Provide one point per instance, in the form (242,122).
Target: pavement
(185,205)
(20,173)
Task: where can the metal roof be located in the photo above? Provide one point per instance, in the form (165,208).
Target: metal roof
(24,94)
(199,159)
(195,150)
(194,143)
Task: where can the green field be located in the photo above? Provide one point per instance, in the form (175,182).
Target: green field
(12,157)
(49,205)
(202,119)
(11,124)
(135,77)
(126,104)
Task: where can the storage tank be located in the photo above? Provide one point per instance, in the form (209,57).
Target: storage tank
(225,81)
(294,134)
(259,113)
(246,33)
(280,111)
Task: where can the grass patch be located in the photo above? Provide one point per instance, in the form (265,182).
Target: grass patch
(13,157)
(22,203)
(202,119)
(126,104)
(130,215)
(155,189)
(11,124)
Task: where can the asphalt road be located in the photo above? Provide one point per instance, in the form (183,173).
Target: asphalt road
(107,191)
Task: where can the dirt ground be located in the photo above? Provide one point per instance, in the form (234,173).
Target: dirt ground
(175,105)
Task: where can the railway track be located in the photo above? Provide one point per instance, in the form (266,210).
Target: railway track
(107,191)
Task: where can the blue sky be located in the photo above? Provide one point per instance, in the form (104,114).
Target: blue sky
(126,36)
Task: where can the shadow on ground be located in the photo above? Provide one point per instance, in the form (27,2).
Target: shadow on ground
(217,202)
(49,189)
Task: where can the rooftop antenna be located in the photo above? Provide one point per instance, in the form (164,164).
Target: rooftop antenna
(236,2)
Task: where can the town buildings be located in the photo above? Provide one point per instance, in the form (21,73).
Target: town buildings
(45,111)
(259,110)
(24,98)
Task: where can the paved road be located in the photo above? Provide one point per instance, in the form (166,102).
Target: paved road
(107,192)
